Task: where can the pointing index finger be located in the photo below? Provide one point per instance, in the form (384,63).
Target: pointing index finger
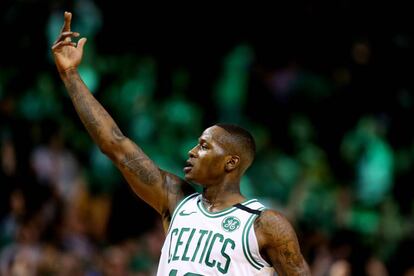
(66,25)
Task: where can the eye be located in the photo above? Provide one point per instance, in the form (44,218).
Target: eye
(203,146)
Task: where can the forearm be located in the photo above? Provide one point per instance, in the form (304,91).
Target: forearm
(159,189)
(143,176)
(94,117)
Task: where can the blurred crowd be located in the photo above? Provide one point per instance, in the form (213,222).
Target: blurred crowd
(335,146)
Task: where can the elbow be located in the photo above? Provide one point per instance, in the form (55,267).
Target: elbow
(105,150)
(108,150)
(112,150)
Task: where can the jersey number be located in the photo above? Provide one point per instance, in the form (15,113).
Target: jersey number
(173,272)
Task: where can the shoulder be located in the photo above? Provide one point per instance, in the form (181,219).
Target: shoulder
(279,245)
(177,189)
(273,229)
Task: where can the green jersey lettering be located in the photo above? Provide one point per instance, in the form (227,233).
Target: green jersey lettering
(173,272)
(179,242)
(205,247)
(185,258)
(202,234)
(224,254)
(210,255)
(169,249)
(207,261)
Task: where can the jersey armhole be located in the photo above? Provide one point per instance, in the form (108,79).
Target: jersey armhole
(179,206)
(256,260)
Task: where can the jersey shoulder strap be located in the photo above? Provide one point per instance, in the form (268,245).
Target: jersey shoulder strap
(247,209)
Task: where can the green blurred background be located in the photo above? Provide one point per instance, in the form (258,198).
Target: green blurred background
(325,90)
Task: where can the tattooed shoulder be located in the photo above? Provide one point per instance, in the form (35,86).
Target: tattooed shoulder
(275,227)
(279,242)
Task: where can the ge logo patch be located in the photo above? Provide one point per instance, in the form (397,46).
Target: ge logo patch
(230,224)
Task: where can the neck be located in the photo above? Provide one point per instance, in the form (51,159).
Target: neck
(219,197)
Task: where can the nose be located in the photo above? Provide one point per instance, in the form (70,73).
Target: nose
(192,152)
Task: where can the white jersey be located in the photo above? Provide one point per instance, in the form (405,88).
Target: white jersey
(202,243)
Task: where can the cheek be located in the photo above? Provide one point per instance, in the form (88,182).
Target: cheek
(211,164)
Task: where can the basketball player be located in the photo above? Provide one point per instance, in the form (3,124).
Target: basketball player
(218,232)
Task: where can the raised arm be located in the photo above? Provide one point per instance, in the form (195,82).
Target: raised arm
(279,245)
(158,188)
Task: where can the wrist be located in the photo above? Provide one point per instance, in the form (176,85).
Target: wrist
(68,72)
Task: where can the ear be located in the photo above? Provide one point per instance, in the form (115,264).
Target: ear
(232,163)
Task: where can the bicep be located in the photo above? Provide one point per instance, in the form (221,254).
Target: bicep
(153,185)
(280,245)
(287,259)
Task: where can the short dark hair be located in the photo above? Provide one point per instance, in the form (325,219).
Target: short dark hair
(242,139)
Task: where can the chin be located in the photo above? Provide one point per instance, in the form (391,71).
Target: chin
(188,177)
(192,179)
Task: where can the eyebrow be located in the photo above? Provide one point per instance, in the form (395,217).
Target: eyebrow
(201,140)
(211,142)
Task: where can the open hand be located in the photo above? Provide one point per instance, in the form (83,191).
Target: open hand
(66,53)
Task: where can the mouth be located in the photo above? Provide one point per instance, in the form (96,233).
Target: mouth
(188,166)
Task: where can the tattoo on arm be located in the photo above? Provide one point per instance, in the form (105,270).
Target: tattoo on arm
(117,134)
(138,164)
(282,247)
(94,117)
(144,177)
(85,106)
(291,260)
(173,189)
(90,121)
